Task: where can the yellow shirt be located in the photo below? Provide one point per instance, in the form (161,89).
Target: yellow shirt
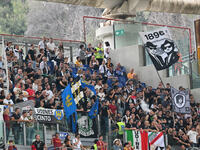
(130,75)
(79,64)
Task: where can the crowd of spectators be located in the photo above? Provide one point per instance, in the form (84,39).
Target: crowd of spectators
(45,72)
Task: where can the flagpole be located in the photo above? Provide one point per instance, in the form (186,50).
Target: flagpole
(159,77)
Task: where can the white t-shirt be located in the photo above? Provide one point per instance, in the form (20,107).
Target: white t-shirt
(24,118)
(35,87)
(49,93)
(8,101)
(102,95)
(103,69)
(16,52)
(192,136)
(78,146)
(41,44)
(107,51)
(51,46)
(97,87)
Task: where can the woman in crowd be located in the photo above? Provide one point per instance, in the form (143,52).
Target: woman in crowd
(117,145)
(67,143)
(94,64)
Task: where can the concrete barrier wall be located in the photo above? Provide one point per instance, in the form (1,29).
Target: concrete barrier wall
(196,94)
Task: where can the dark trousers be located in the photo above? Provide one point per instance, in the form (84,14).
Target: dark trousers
(16,132)
(83,61)
(7,133)
(104,125)
(88,60)
(100,60)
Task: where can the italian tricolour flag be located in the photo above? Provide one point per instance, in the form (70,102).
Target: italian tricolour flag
(143,140)
(156,140)
(139,139)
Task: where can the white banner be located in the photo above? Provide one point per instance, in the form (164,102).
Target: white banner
(155,35)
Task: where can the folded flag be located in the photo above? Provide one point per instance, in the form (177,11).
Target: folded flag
(94,110)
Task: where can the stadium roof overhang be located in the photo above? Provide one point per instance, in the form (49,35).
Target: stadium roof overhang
(126,8)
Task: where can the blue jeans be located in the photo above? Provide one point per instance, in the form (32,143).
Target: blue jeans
(16,132)
(29,135)
(7,133)
(51,66)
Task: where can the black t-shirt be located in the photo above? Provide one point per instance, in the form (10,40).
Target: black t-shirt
(39,145)
(145,127)
(128,125)
(32,54)
(170,122)
(49,105)
(2,98)
(171,140)
(16,117)
(104,111)
(36,76)
(19,100)
(29,70)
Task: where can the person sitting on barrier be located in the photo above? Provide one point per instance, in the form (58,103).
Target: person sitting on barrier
(57,142)
(117,145)
(38,144)
(67,143)
(77,142)
(100,144)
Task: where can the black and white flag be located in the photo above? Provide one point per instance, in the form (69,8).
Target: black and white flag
(77,90)
(160,47)
(180,101)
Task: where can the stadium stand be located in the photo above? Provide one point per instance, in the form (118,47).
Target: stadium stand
(45,72)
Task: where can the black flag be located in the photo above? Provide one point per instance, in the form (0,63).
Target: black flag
(161,48)
(180,101)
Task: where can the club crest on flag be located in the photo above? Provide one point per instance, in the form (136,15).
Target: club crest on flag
(68,101)
(180,101)
(85,126)
(58,114)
